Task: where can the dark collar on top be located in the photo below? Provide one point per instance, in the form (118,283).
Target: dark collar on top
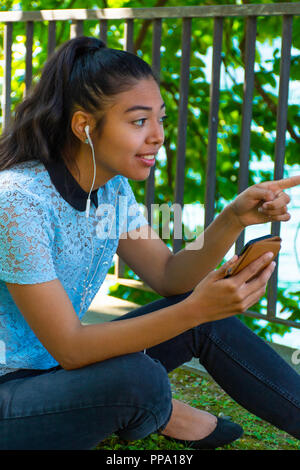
(68,187)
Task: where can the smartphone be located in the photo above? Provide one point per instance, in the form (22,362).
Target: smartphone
(253,250)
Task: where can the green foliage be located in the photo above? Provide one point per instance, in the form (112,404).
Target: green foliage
(231,98)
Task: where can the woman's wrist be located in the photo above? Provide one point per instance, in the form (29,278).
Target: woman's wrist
(193,312)
(233,218)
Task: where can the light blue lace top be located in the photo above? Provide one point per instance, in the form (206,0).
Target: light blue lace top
(43,237)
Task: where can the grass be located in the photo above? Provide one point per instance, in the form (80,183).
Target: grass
(200,391)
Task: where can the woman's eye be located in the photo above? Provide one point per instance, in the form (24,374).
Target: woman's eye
(140,122)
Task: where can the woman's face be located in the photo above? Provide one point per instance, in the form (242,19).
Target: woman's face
(132,132)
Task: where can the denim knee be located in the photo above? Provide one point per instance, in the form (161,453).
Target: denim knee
(145,385)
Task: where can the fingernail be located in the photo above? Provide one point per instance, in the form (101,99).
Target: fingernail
(269,255)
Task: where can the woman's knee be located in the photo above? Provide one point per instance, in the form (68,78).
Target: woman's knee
(131,380)
(134,387)
(143,379)
(143,385)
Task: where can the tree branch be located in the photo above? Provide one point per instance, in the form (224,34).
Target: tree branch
(63,23)
(273,108)
(270,103)
(145,25)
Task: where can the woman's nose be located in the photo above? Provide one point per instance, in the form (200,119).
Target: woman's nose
(156,134)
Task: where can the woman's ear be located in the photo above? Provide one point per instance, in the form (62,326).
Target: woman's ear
(80,120)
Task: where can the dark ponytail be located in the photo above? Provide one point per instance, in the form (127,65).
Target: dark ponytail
(82,74)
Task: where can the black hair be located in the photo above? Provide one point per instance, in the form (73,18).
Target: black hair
(81,74)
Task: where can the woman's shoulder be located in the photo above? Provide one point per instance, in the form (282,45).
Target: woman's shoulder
(121,184)
(23,181)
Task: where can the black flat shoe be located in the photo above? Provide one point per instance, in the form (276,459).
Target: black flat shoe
(225,432)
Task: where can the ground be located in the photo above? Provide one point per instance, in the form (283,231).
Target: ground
(200,390)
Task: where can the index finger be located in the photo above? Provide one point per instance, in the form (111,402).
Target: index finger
(288,182)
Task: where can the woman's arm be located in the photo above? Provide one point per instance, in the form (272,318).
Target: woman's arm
(171,274)
(49,312)
(185,269)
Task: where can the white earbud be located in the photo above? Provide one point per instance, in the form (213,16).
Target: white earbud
(89,140)
(87,133)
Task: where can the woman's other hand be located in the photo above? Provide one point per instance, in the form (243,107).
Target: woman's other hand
(264,202)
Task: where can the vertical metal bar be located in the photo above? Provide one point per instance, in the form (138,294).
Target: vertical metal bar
(243,180)
(103,30)
(283,95)
(28,61)
(282,110)
(182,123)
(119,267)
(8,30)
(213,122)
(51,37)
(73,30)
(128,46)
(156,43)
(76,29)
(128,34)
(150,182)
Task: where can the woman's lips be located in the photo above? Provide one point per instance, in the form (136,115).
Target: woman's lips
(148,160)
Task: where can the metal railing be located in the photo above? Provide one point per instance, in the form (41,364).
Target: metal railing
(218,13)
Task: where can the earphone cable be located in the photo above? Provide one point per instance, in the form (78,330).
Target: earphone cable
(87,215)
(88,203)
(92,257)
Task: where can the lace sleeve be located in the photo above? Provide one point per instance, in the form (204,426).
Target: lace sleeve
(25,239)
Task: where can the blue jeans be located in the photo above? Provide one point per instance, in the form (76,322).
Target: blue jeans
(130,395)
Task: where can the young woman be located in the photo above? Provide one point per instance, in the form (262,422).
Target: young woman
(95,120)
